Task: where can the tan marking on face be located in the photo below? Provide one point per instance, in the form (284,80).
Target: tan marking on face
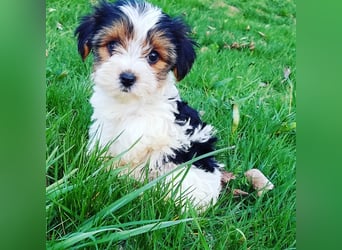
(163,46)
(103,54)
(167,55)
(119,32)
(161,68)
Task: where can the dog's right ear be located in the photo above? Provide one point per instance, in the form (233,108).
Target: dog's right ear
(84,33)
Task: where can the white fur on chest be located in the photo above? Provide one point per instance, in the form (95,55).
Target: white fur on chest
(148,125)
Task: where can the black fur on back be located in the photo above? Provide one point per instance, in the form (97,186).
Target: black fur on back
(186,113)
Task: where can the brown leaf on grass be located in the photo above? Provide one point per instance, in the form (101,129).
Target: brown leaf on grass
(239,192)
(233,9)
(287,73)
(230,10)
(261,34)
(259,181)
(226,177)
(243,45)
(251,45)
(235,45)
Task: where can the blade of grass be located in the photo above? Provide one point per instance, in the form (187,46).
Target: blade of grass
(51,159)
(53,187)
(117,236)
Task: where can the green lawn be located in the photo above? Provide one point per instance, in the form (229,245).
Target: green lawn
(244,48)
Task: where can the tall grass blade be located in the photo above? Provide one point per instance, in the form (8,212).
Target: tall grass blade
(113,237)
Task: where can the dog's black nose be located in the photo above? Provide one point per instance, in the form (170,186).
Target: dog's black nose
(127,79)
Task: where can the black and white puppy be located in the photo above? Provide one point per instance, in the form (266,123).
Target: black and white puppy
(139,54)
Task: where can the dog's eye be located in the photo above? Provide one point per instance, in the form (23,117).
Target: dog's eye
(153,57)
(111,46)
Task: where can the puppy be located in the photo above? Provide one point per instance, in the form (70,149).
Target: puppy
(139,54)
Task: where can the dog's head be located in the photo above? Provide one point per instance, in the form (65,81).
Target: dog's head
(135,46)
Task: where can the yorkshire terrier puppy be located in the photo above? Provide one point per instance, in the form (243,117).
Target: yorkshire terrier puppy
(139,54)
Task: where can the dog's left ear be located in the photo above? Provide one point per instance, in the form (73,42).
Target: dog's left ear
(184,48)
(84,33)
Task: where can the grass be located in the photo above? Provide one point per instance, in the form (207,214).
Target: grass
(93,209)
